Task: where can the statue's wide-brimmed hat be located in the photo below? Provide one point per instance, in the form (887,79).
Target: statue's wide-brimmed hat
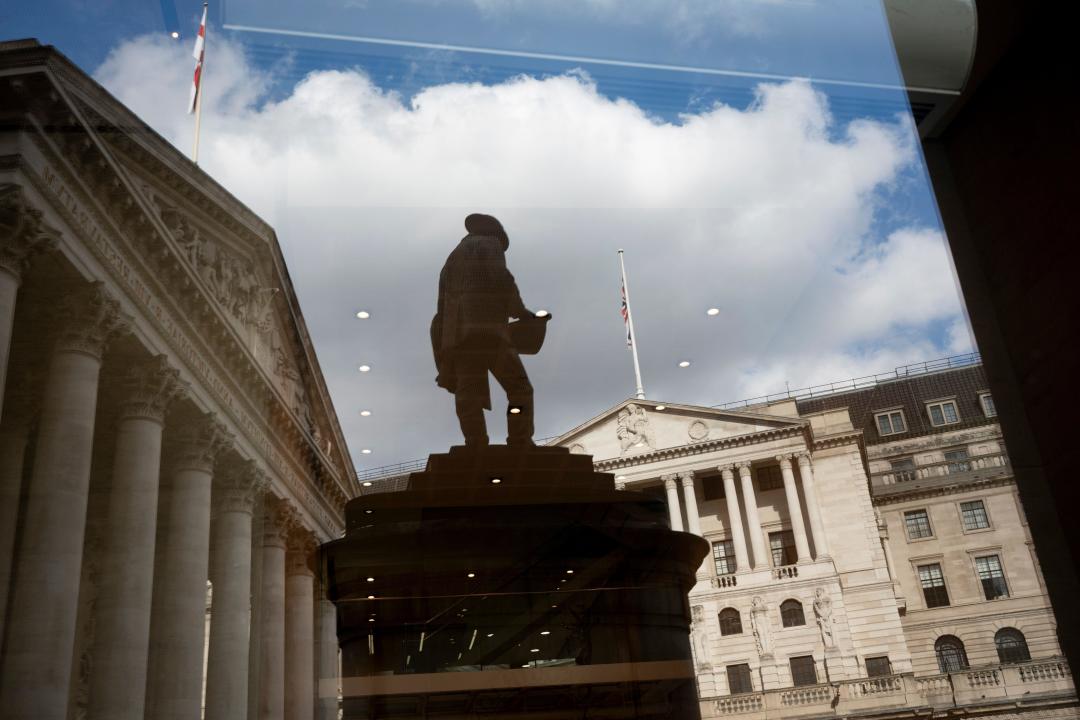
(527,334)
(480,224)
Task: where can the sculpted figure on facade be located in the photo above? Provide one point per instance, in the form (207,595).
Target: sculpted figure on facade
(823,613)
(633,428)
(759,621)
(700,635)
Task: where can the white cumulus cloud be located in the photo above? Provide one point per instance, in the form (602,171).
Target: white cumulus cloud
(765,212)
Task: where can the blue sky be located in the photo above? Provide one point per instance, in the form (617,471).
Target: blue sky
(800,209)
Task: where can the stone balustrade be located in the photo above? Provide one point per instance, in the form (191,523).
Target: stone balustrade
(974,686)
(770,576)
(990,463)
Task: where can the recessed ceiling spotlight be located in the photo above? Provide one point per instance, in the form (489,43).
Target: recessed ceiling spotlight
(535,650)
(364,368)
(569,572)
(545,632)
(684,363)
(712,312)
(472,575)
(367,483)
(661,408)
(496,480)
(371,619)
(370,597)
(541,313)
(365,413)
(363,314)
(175,35)
(365,451)
(368,511)
(491,634)
(371,579)
(515,411)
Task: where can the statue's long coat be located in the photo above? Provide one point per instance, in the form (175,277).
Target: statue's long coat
(477,295)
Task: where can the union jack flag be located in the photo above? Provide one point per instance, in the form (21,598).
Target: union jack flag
(198,53)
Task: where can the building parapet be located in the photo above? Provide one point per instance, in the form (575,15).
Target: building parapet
(990,466)
(772,576)
(965,688)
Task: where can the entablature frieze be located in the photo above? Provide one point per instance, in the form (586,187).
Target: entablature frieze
(706,447)
(233,390)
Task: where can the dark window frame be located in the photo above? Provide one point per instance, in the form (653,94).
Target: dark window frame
(935,594)
(951,654)
(712,488)
(791,613)
(890,426)
(940,404)
(1011,646)
(740,679)
(803,670)
(976,513)
(730,564)
(769,477)
(878,666)
(992,576)
(917,525)
(730,621)
(785,553)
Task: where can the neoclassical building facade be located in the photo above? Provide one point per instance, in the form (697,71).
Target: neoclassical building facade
(870,555)
(166,436)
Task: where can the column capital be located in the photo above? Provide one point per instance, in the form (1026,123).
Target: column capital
(301,543)
(728,468)
(149,387)
(25,233)
(670,480)
(785,460)
(686,477)
(88,319)
(279,518)
(239,484)
(743,467)
(198,443)
(803,457)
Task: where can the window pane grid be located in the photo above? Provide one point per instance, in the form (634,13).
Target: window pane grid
(943,413)
(933,585)
(917,523)
(803,671)
(890,423)
(974,515)
(738,677)
(730,622)
(724,557)
(992,577)
(782,547)
(878,666)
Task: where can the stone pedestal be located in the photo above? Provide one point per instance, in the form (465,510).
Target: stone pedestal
(515,579)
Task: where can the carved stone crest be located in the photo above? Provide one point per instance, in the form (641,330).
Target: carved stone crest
(633,430)
(697,430)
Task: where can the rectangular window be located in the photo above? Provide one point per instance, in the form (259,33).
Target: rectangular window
(878,666)
(738,679)
(803,671)
(903,470)
(957,460)
(723,552)
(769,478)
(890,423)
(974,516)
(992,577)
(943,413)
(917,524)
(712,487)
(933,585)
(782,547)
(987,402)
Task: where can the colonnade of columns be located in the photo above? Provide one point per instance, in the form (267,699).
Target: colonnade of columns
(180,513)
(738,533)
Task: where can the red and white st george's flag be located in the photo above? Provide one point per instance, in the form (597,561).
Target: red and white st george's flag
(200,42)
(624,310)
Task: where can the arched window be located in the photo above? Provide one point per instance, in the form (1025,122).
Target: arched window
(730,622)
(951,656)
(1011,646)
(791,613)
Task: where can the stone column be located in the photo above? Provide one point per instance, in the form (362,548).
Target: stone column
(693,521)
(278,517)
(22,235)
(36,673)
(673,501)
(126,582)
(757,541)
(327,681)
(794,508)
(813,509)
(300,627)
(230,578)
(738,537)
(14,434)
(178,617)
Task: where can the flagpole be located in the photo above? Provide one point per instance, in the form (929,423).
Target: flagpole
(633,335)
(199,94)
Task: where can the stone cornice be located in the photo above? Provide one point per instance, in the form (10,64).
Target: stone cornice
(701,448)
(942,490)
(835,440)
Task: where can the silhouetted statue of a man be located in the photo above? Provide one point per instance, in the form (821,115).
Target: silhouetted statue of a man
(470,334)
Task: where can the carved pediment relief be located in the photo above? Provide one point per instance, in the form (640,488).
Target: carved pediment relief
(638,427)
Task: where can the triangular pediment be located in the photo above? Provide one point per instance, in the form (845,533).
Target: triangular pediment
(636,427)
